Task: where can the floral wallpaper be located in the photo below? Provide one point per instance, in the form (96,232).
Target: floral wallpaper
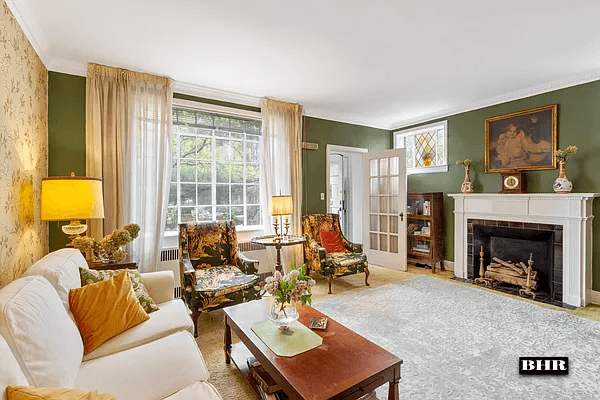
(23,150)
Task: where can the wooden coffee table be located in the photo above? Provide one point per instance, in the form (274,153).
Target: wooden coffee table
(345,366)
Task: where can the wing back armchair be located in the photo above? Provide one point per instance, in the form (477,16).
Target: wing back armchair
(350,261)
(214,274)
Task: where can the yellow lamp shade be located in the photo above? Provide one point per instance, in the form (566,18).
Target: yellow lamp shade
(281,205)
(71,198)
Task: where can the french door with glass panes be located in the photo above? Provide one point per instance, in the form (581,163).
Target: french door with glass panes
(385,194)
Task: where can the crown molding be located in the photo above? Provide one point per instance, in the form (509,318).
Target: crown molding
(216,94)
(344,119)
(22,12)
(68,67)
(530,91)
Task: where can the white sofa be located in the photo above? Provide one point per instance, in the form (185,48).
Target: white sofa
(40,345)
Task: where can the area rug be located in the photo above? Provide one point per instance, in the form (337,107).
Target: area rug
(461,342)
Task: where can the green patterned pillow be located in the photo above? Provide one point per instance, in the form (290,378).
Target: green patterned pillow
(92,276)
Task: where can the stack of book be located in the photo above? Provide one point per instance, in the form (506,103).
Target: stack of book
(421,248)
(267,387)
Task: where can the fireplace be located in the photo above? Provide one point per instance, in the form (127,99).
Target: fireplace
(572,212)
(517,242)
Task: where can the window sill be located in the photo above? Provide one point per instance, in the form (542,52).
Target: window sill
(254,228)
(427,170)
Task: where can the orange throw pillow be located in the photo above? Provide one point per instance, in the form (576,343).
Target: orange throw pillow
(31,393)
(105,309)
(332,241)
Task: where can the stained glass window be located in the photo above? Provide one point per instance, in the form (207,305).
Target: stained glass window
(425,147)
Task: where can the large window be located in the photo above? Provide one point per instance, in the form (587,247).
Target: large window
(425,146)
(216,168)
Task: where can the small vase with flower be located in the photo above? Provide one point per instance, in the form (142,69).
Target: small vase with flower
(287,290)
(467,185)
(562,184)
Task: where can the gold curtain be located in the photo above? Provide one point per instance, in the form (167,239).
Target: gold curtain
(128,146)
(282,170)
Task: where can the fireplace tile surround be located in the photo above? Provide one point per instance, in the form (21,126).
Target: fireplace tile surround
(544,211)
(547,259)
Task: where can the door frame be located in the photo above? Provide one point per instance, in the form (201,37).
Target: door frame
(332,148)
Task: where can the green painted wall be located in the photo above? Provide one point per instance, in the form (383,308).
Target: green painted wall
(578,124)
(66,136)
(326,132)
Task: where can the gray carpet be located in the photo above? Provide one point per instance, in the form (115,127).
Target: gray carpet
(460,342)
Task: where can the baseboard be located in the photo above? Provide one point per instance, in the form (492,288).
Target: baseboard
(594,297)
(449,265)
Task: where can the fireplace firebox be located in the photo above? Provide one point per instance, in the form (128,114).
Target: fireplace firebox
(517,242)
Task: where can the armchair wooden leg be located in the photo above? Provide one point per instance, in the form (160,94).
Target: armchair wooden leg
(367,273)
(195,315)
(329,279)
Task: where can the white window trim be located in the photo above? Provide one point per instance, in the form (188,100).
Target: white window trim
(413,131)
(230,112)
(214,109)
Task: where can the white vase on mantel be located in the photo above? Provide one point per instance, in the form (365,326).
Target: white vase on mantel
(562,184)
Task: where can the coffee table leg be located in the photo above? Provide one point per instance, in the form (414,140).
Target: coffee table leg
(393,393)
(227,342)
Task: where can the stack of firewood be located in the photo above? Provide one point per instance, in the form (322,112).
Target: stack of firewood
(509,272)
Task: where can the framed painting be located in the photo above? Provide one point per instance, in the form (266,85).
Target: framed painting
(521,141)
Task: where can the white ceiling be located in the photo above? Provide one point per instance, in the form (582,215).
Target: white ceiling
(377,63)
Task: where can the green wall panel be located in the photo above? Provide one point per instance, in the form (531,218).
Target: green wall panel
(578,124)
(66,136)
(326,132)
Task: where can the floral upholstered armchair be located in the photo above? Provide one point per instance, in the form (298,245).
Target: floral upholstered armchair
(214,274)
(348,260)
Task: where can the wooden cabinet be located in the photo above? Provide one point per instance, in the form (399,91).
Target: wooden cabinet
(129,262)
(425,229)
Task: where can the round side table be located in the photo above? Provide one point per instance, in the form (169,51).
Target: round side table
(278,242)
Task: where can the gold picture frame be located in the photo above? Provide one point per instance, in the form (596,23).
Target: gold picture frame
(521,141)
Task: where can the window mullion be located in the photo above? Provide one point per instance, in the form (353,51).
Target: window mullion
(244,181)
(178,167)
(213,177)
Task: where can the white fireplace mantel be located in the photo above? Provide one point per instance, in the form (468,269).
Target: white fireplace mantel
(573,211)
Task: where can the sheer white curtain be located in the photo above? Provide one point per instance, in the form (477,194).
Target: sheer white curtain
(129,137)
(282,167)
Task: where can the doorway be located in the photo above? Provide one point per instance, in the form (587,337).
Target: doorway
(344,177)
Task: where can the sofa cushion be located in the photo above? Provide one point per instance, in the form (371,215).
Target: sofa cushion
(61,268)
(91,276)
(199,390)
(31,393)
(118,311)
(172,317)
(152,371)
(10,372)
(42,337)
(218,281)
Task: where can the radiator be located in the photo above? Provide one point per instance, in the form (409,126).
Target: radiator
(169,261)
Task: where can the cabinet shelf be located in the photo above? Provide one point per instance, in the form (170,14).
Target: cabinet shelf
(426,238)
(435,221)
(419,217)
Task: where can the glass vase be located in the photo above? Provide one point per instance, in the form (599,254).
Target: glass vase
(109,257)
(283,314)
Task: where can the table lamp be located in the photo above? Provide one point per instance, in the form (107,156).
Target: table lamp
(72,198)
(281,205)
